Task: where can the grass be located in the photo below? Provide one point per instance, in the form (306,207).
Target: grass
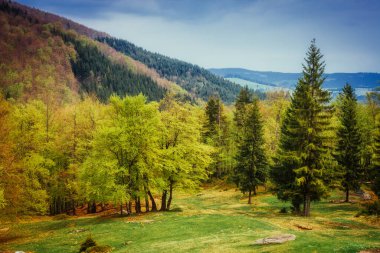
(216,220)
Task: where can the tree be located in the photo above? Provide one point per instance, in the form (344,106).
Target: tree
(299,170)
(348,153)
(244,98)
(371,139)
(217,134)
(251,169)
(124,149)
(184,157)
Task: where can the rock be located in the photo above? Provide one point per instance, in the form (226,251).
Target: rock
(75,231)
(366,196)
(275,239)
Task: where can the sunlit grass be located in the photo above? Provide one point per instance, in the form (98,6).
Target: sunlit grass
(215,220)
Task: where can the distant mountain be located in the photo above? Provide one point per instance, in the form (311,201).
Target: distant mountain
(362,82)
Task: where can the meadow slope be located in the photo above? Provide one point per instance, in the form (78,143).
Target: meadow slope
(217,219)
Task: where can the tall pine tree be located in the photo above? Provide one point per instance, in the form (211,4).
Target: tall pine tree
(299,168)
(251,170)
(348,153)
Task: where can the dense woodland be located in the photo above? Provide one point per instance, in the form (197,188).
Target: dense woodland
(133,155)
(192,78)
(82,132)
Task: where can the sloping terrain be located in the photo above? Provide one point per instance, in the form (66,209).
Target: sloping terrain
(196,80)
(215,220)
(46,60)
(38,49)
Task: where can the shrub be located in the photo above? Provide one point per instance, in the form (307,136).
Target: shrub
(371,208)
(88,243)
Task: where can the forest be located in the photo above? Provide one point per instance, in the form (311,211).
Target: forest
(101,139)
(131,152)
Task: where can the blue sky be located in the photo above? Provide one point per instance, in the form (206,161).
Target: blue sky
(253,34)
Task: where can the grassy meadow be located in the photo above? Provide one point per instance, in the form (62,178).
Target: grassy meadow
(217,219)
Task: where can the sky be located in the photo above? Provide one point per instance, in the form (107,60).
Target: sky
(265,35)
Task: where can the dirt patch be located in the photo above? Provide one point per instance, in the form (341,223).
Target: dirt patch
(303,227)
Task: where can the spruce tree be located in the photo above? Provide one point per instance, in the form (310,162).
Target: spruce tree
(375,170)
(242,100)
(348,153)
(373,106)
(216,134)
(251,169)
(299,168)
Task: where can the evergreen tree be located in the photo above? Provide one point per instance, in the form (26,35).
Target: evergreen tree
(375,170)
(251,169)
(349,141)
(217,134)
(242,100)
(299,169)
(373,105)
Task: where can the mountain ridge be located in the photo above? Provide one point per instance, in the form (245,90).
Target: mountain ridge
(336,80)
(89,77)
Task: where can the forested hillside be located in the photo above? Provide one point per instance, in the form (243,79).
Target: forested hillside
(194,79)
(43,60)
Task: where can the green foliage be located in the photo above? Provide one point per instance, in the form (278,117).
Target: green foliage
(124,151)
(299,171)
(197,81)
(217,133)
(251,170)
(349,141)
(374,160)
(183,156)
(98,75)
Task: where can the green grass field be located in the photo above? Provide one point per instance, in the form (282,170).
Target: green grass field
(214,220)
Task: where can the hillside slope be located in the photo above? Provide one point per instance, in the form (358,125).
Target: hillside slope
(46,60)
(39,48)
(196,80)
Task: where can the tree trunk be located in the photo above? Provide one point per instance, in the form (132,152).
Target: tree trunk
(163,200)
(347,195)
(130,206)
(170,195)
(306,205)
(93,207)
(146,203)
(121,210)
(127,208)
(73,205)
(137,205)
(250,197)
(296,206)
(154,206)
(88,207)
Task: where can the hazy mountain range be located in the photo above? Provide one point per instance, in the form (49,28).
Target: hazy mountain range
(268,80)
